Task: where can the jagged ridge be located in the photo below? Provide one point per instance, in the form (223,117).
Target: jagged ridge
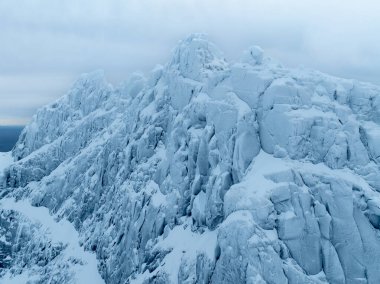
(270,174)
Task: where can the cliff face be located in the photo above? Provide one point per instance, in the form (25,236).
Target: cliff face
(206,171)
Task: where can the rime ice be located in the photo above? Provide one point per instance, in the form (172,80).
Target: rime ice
(205,171)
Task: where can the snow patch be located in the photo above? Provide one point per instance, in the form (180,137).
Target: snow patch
(5,160)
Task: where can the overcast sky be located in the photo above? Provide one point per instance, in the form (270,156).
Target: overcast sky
(46,44)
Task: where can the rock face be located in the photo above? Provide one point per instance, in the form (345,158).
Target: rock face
(204,172)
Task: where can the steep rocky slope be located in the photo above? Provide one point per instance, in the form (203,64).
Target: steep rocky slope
(206,171)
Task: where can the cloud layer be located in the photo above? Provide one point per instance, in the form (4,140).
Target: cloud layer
(46,44)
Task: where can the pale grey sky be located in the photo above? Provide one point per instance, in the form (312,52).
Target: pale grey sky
(46,44)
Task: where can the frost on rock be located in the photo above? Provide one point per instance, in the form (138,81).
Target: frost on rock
(205,171)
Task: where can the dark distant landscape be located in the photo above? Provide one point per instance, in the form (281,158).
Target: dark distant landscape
(9,136)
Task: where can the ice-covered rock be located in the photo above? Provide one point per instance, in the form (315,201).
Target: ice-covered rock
(254,55)
(205,171)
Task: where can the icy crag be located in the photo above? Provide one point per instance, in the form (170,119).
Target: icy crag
(204,172)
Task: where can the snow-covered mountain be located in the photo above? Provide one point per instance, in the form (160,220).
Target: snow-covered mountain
(206,171)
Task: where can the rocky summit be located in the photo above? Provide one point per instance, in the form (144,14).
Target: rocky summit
(205,171)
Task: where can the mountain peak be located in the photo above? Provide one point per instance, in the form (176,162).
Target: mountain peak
(204,172)
(195,55)
(254,55)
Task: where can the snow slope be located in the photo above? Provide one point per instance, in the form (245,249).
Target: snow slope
(206,171)
(85,265)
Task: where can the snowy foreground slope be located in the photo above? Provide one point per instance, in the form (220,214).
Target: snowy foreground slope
(204,172)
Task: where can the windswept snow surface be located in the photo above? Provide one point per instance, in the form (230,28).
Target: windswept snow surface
(85,267)
(205,171)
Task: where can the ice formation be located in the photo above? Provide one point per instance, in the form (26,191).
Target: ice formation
(206,171)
